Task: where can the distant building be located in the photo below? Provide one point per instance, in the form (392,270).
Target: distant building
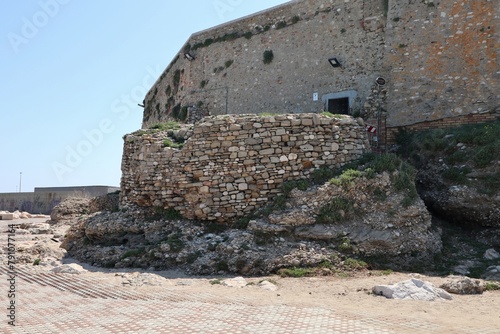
(43,200)
(415,64)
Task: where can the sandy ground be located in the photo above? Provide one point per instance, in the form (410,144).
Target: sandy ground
(350,295)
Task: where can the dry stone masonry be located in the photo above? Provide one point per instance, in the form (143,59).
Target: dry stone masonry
(232,165)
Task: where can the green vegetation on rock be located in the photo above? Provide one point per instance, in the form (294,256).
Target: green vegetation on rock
(463,149)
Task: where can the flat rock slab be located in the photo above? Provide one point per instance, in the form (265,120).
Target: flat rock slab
(412,289)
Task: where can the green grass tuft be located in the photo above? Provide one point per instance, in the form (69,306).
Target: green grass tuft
(295,272)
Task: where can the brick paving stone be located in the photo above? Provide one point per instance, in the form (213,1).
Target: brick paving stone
(48,308)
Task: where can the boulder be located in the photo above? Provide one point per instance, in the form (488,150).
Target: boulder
(237,282)
(492,273)
(491,254)
(266,285)
(412,289)
(462,285)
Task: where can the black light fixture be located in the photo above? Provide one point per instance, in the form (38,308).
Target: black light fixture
(189,56)
(334,62)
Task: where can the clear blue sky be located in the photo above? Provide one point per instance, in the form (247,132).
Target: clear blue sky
(72,73)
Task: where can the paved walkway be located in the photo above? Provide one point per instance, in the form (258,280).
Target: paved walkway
(64,303)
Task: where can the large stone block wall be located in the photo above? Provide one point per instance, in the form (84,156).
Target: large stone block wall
(443,58)
(440,58)
(232,165)
(230,77)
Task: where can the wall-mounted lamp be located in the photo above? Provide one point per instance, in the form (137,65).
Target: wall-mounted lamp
(189,56)
(140,105)
(334,62)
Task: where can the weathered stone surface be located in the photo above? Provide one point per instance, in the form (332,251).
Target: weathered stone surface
(492,273)
(236,282)
(491,254)
(462,285)
(369,229)
(70,208)
(266,285)
(411,289)
(262,226)
(71,268)
(460,204)
(412,38)
(245,174)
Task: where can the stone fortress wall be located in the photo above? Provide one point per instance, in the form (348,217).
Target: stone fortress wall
(228,75)
(232,165)
(440,59)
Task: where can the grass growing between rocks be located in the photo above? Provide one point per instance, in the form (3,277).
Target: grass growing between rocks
(492,286)
(346,268)
(170,125)
(169,143)
(165,214)
(159,127)
(340,208)
(133,252)
(461,149)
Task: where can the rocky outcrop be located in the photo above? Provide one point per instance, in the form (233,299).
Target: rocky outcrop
(108,202)
(354,215)
(323,224)
(70,209)
(127,239)
(460,204)
(459,177)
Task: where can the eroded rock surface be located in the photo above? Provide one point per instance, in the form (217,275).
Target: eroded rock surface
(309,232)
(412,289)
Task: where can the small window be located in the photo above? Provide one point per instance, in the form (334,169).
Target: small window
(339,106)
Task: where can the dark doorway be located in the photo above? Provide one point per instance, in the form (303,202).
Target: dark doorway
(339,106)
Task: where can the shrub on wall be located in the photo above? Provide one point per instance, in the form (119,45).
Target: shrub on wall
(208,42)
(176,111)
(177,77)
(280,25)
(268,56)
(183,114)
